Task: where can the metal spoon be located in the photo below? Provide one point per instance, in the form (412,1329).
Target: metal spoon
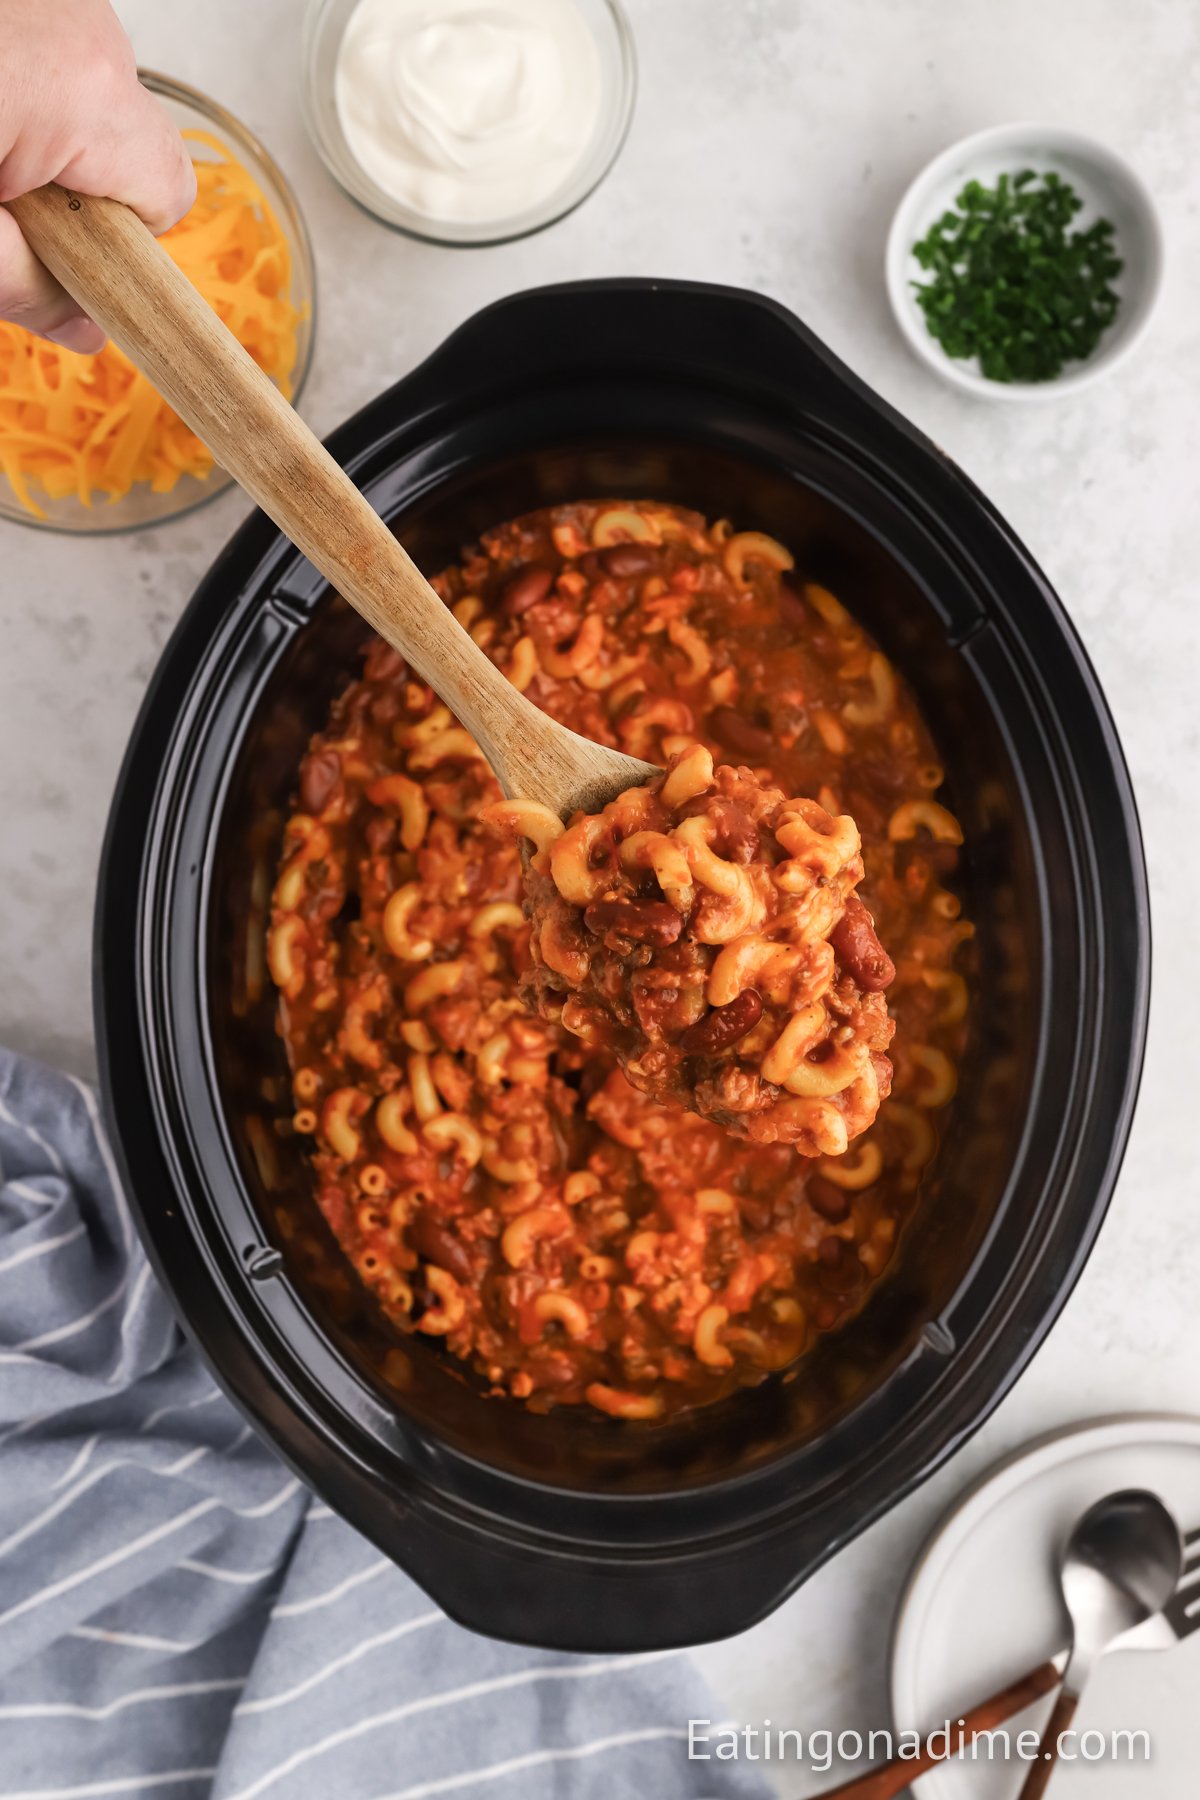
(1120,1566)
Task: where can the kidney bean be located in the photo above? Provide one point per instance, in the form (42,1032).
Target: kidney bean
(859,950)
(552,1371)
(645,921)
(886,774)
(831,1202)
(735,833)
(830,1252)
(840,1269)
(723,1026)
(386,708)
(526,588)
(319,776)
(740,734)
(380,834)
(756,1214)
(432,1240)
(383,663)
(628,559)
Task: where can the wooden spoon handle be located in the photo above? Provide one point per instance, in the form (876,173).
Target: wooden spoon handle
(110,263)
(1040,1771)
(891,1778)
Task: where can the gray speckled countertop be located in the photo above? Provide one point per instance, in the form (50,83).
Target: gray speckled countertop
(771,142)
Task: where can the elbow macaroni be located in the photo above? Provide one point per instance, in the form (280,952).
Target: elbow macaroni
(652,919)
(504,1192)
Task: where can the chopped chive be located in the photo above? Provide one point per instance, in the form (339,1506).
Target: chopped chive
(1012,284)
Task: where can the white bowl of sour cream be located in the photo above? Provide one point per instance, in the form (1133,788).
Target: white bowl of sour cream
(468,121)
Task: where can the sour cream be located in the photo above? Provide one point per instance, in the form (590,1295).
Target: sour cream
(468,111)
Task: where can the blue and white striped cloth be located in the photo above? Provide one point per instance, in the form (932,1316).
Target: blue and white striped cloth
(179,1616)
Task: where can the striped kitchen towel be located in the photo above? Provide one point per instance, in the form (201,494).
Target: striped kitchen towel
(179,1616)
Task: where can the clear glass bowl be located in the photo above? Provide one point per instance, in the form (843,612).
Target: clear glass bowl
(192,110)
(324,28)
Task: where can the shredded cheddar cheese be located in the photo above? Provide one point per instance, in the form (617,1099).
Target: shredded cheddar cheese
(94,425)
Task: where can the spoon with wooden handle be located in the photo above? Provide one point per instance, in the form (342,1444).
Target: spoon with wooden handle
(888,1780)
(1119,1567)
(1120,1573)
(111,264)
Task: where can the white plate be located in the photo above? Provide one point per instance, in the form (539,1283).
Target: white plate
(1109,189)
(982,1607)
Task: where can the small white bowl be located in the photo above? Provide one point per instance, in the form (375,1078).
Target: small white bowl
(1109,189)
(324,28)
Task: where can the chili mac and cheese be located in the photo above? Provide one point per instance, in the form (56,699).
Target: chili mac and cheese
(706,929)
(497,1183)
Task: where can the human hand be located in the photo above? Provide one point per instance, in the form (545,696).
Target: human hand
(72,110)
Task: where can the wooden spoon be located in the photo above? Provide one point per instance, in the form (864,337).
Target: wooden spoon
(111,264)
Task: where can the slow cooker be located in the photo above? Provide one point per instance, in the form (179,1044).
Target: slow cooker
(568,1530)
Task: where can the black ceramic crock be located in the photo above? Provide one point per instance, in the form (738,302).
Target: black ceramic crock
(569,1530)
